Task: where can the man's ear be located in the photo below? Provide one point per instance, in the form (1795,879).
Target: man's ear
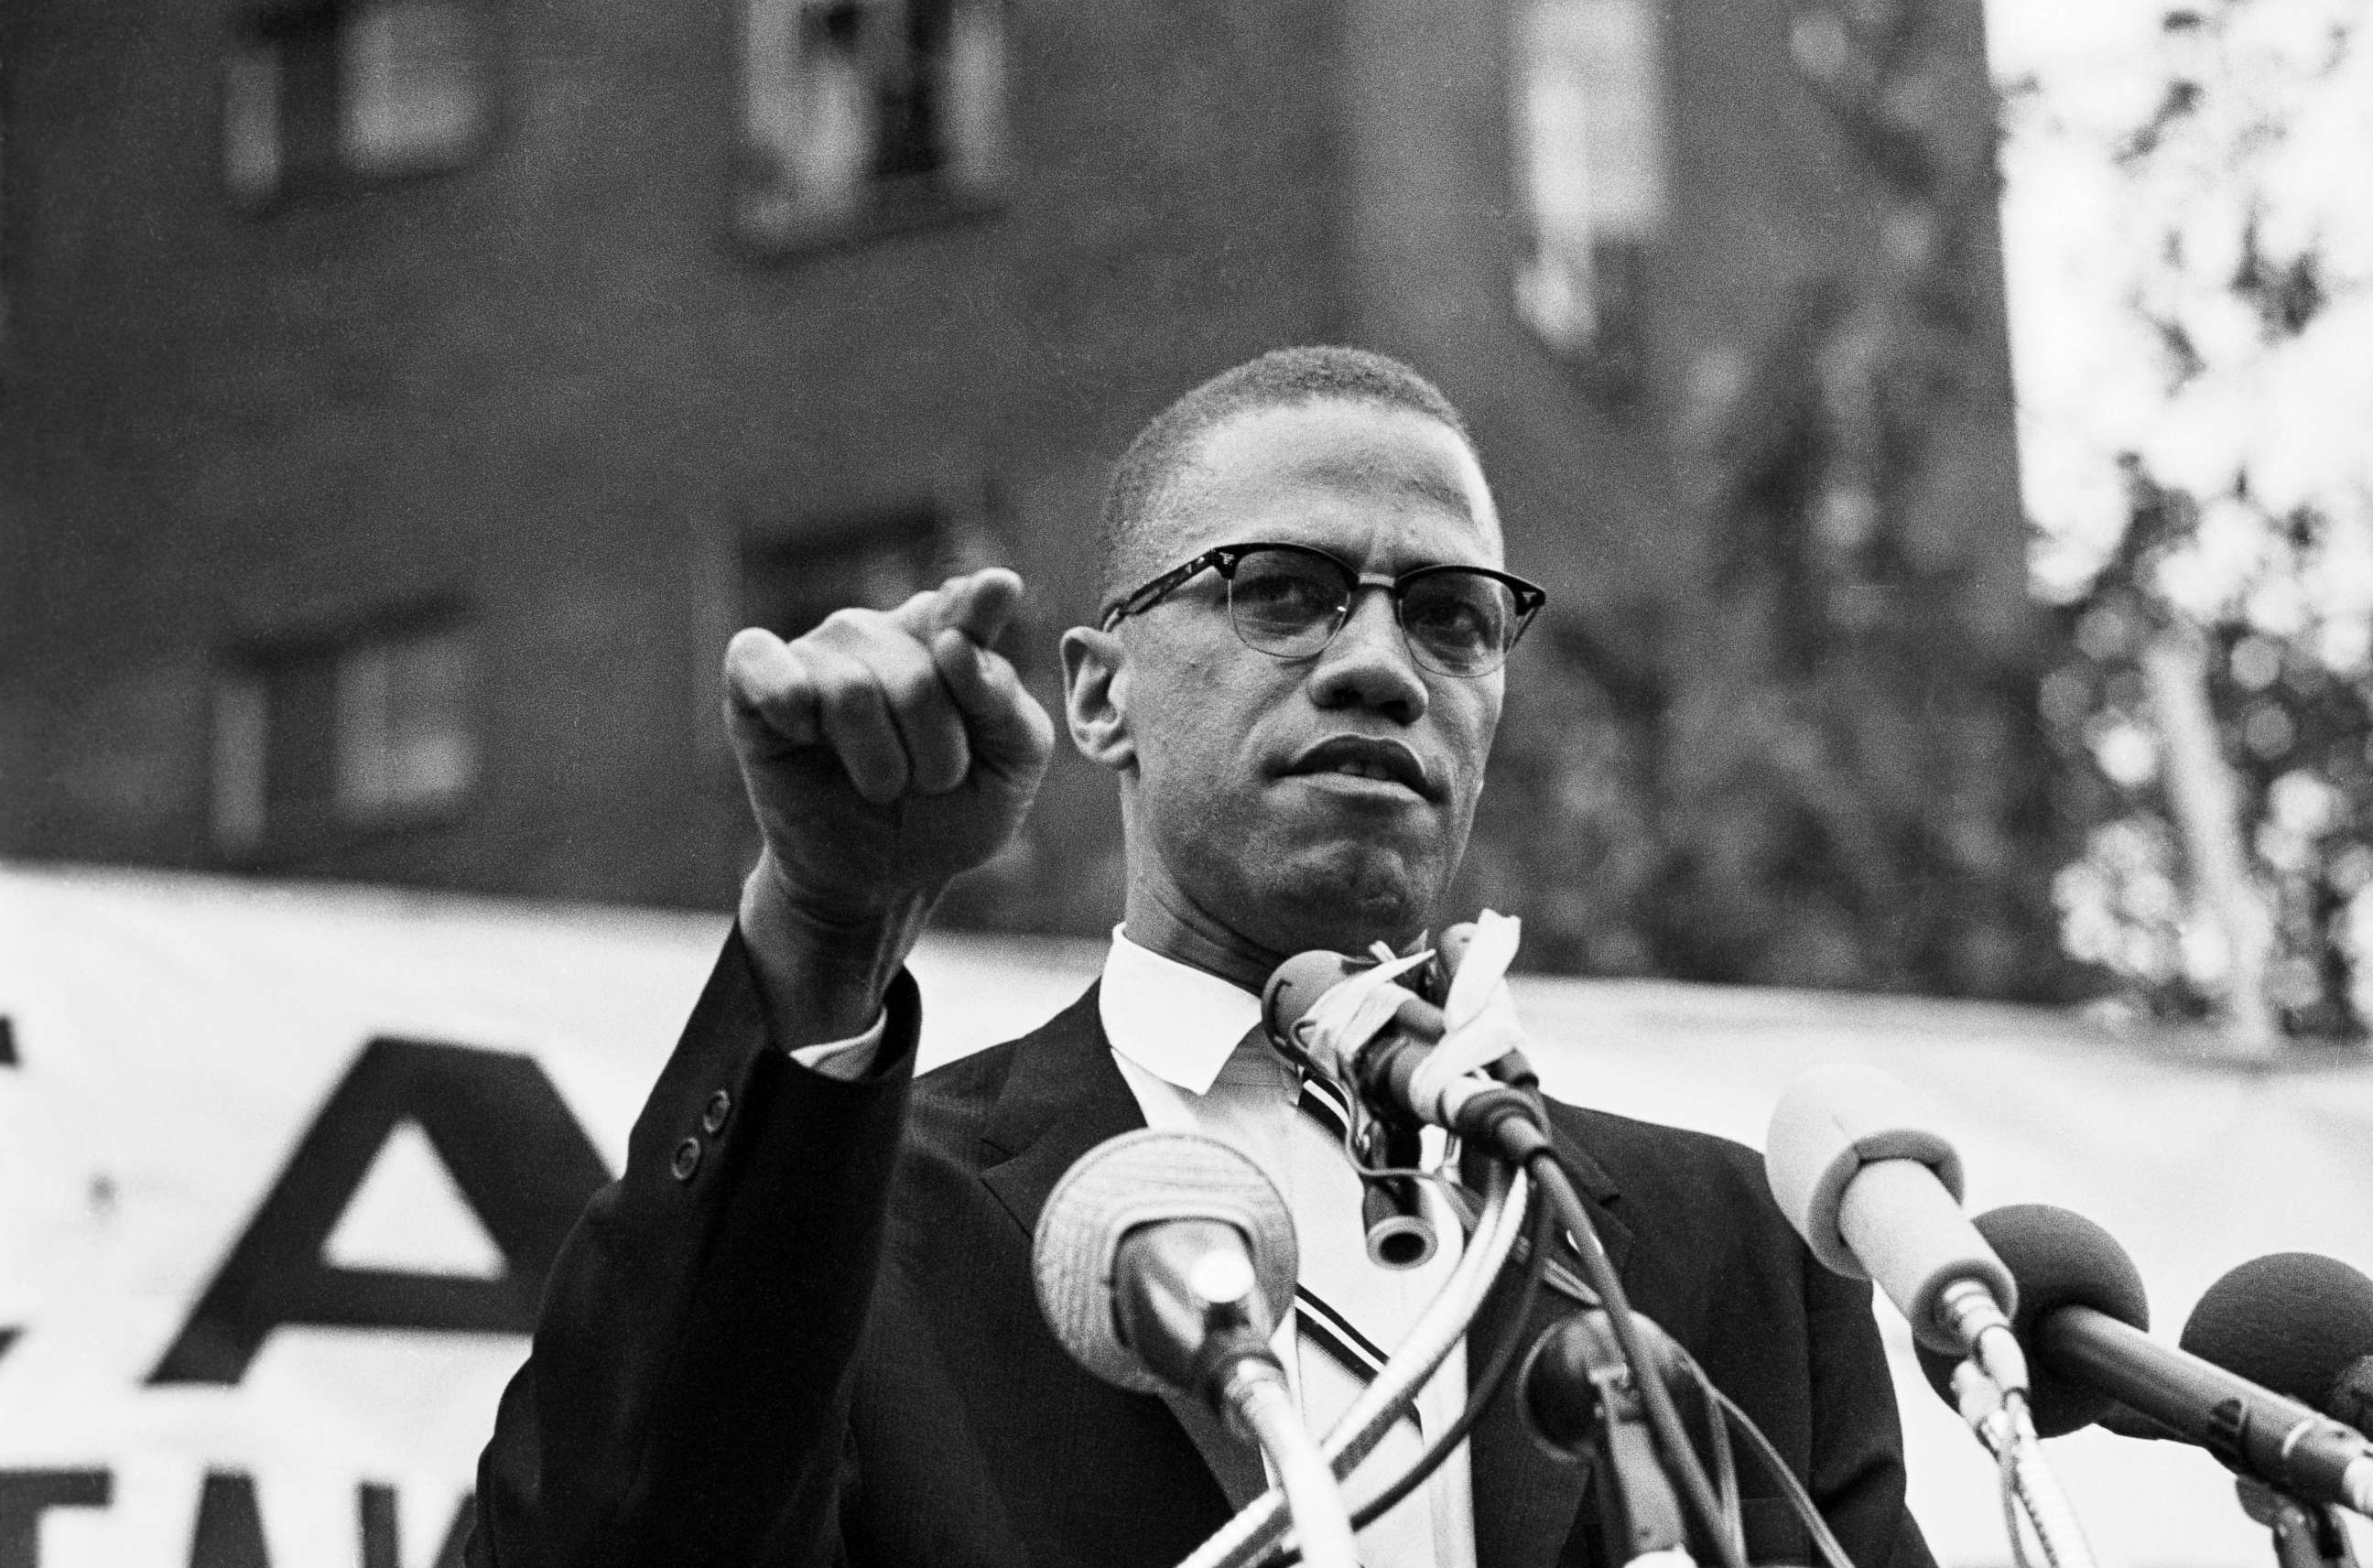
(1095,697)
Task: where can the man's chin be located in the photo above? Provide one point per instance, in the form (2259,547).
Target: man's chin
(1343,906)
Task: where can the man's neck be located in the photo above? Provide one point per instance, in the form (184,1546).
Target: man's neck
(1161,920)
(1187,937)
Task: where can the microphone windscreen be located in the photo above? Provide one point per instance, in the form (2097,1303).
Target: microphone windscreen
(1142,1179)
(2351,1399)
(1830,1123)
(1295,987)
(2058,1259)
(2291,1321)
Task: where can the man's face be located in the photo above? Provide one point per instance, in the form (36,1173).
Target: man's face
(1323,802)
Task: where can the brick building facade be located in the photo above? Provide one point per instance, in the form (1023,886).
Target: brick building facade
(400,400)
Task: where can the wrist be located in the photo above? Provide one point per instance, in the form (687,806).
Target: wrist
(824,971)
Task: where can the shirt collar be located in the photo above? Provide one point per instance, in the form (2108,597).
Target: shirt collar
(1176,1023)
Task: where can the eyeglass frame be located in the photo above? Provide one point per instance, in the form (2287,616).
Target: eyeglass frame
(1225,559)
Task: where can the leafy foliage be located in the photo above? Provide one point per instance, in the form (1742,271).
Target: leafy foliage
(1822,767)
(2198,468)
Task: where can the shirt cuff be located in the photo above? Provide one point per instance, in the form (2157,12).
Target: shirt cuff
(849,1060)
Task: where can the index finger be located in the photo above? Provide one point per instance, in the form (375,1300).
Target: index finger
(978,603)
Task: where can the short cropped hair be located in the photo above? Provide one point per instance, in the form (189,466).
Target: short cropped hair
(1147,473)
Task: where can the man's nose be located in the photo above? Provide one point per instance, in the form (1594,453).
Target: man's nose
(1368,664)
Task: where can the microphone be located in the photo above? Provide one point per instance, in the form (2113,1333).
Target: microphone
(2298,1323)
(2060,1260)
(1877,1194)
(1165,1260)
(1580,1402)
(2251,1429)
(1384,1069)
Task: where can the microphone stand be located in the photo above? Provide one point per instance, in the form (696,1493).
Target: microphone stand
(1312,1501)
(2003,1425)
(2305,1536)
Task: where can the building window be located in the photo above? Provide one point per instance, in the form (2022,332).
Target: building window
(370,730)
(327,94)
(1590,134)
(860,112)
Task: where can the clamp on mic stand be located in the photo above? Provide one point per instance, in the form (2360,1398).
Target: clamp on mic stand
(1582,1404)
(2002,1422)
(1384,1148)
(2305,1536)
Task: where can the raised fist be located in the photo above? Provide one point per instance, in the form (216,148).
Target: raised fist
(885,753)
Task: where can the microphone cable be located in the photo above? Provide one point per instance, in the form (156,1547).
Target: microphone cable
(1480,1395)
(1800,1502)
(1508,1121)
(1726,1416)
(1248,1537)
(1556,1185)
(1551,1179)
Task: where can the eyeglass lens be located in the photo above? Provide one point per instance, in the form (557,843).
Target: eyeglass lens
(1289,604)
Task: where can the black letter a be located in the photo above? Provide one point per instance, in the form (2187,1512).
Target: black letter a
(517,1153)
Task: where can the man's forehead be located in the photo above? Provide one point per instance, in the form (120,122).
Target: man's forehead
(1410,463)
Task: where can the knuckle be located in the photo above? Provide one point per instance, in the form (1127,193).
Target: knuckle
(848,624)
(938,734)
(910,689)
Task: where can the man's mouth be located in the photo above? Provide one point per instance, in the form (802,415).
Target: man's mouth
(1360,756)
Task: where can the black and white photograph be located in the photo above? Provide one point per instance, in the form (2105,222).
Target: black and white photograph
(1185,783)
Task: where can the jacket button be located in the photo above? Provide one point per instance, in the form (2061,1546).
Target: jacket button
(687,1159)
(712,1117)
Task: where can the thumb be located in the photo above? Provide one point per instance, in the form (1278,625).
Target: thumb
(979,605)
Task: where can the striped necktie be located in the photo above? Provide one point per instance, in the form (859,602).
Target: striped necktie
(1351,1312)
(1319,1322)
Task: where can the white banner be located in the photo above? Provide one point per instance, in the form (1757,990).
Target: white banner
(283,1167)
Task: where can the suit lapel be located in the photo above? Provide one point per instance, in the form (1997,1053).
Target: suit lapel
(1062,1098)
(1525,1497)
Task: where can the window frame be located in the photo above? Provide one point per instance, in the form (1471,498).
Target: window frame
(239,693)
(886,205)
(1622,239)
(264,27)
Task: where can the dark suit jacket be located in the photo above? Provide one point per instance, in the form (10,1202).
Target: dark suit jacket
(801,1329)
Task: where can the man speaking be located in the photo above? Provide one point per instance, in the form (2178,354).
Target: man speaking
(802,1327)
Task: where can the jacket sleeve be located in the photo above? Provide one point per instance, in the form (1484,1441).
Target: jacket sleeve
(1856,1474)
(686,1396)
